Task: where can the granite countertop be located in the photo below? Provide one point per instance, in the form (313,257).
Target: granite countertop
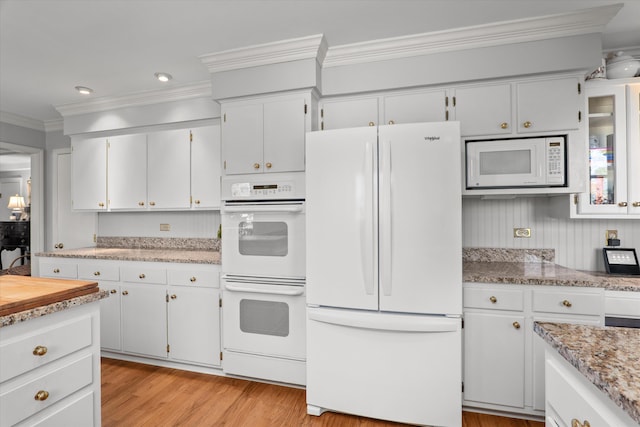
(22,316)
(535,267)
(151,249)
(608,357)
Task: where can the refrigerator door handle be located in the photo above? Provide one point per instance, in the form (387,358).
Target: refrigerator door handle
(386,219)
(366,221)
(376,321)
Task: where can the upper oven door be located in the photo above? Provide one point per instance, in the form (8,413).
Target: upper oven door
(264,239)
(506,163)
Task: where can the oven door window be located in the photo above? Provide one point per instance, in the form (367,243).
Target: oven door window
(261,238)
(264,317)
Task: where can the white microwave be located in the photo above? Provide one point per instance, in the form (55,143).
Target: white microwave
(516,162)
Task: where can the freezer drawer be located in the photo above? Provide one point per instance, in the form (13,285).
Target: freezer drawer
(396,367)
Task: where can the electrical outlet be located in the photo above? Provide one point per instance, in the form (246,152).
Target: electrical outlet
(165,227)
(610,234)
(522,232)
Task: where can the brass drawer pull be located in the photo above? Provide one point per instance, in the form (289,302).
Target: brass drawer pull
(635,204)
(504,125)
(193,279)
(516,325)
(197,202)
(371,124)
(152,203)
(268,165)
(174,296)
(623,204)
(256,165)
(142,276)
(567,303)
(113,291)
(56,270)
(493,299)
(125,292)
(41,395)
(140,203)
(96,273)
(40,350)
(527,124)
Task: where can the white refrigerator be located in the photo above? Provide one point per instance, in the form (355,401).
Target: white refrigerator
(384,272)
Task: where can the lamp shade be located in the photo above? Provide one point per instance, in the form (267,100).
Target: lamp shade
(16,202)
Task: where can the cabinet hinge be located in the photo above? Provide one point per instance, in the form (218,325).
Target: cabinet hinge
(579,116)
(579,88)
(168,348)
(462,322)
(167,299)
(224,117)
(220,355)
(190,136)
(321,125)
(454,101)
(446,115)
(219,302)
(322,113)
(94,237)
(108,145)
(575,199)
(463,386)
(225,164)
(446,101)
(305,108)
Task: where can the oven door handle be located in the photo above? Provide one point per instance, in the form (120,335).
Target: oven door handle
(272,208)
(236,288)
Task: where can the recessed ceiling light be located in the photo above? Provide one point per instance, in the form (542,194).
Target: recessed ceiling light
(163,77)
(84,90)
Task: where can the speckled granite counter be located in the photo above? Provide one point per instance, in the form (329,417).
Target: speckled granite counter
(534,267)
(33,313)
(608,357)
(149,255)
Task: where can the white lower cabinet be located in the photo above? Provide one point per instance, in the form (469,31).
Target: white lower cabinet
(503,361)
(144,319)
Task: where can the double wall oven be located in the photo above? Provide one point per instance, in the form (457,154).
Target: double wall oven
(263,263)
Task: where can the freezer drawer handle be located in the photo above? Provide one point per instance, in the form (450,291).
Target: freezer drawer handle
(235,288)
(386,323)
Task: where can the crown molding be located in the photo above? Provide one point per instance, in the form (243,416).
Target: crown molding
(190,91)
(53,125)
(22,121)
(269,53)
(585,21)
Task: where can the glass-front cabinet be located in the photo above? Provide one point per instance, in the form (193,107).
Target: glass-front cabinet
(613,189)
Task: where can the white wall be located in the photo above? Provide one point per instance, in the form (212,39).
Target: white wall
(578,242)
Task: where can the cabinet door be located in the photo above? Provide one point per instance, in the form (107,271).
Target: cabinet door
(89,174)
(284,131)
(205,167)
(494,358)
(483,110)
(110,317)
(548,105)
(194,325)
(633,148)
(144,319)
(415,107)
(242,131)
(127,172)
(339,114)
(168,169)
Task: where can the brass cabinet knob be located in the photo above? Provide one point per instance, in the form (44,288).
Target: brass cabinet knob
(55,246)
(125,292)
(576,423)
(623,204)
(41,395)
(197,202)
(56,270)
(268,165)
(40,350)
(152,203)
(140,203)
(101,204)
(60,245)
(635,204)
(193,279)
(113,291)
(493,299)
(504,125)
(516,325)
(391,122)
(96,273)
(142,276)
(371,124)
(527,124)
(567,303)
(256,165)
(174,296)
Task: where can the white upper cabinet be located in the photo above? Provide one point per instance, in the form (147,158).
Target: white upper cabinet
(549,105)
(415,107)
(127,172)
(205,167)
(265,135)
(483,110)
(347,113)
(89,174)
(168,169)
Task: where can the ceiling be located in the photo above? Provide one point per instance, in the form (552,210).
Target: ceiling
(115,46)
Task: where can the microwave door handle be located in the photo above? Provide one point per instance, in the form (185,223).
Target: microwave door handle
(254,208)
(236,288)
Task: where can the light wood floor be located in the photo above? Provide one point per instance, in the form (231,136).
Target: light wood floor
(141,395)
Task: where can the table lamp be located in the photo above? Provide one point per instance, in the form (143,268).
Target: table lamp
(16,204)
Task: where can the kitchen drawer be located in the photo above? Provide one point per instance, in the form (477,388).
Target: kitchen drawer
(108,272)
(144,274)
(75,412)
(54,386)
(60,270)
(495,299)
(21,355)
(568,302)
(622,304)
(194,277)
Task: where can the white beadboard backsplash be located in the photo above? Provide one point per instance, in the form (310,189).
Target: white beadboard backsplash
(202,224)
(578,242)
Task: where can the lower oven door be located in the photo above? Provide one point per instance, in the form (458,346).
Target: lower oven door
(265,318)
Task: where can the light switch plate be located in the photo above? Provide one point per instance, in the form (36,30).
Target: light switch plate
(522,232)
(165,227)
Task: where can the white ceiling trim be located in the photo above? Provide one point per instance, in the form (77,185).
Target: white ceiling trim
(22,121)
(585,21)
(194,90)
(53,125)
(269,53)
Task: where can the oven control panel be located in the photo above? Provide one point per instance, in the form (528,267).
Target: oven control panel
(281,190)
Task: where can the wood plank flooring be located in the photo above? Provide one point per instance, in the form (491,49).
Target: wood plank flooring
(142,395)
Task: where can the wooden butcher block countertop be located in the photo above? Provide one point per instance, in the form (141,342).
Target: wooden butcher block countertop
(19,293)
